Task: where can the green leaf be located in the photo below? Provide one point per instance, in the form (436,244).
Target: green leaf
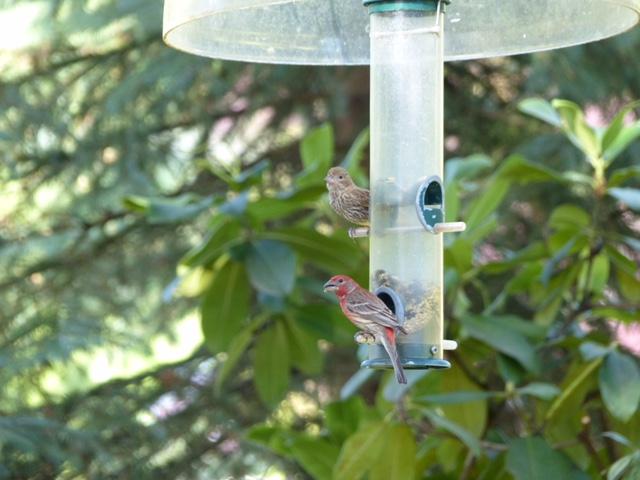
(591,350)
(223,234)
(627,315)
(574,388)
(494,193)
(399,458)
(354,156)
(544,391)
(569,218)
(617,126)
(628,196)
(620,385)
(271,266)
(466,168)
(361,452)
(342,418)
(459,432)
(542,110)
(169,210)
(331,254)
(625,138)
(317,456)
(225,306)
(304,350)
(237,348)
(533,459)
(499,336)
(618,469)
(271,364)
(622,175)
(472,415)
(316,151)
(285,203)
(576,128)
(517,169)
(457,397)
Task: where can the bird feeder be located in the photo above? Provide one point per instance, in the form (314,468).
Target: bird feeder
(405,43)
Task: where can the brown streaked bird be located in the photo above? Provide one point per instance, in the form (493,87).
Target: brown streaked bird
(346,198)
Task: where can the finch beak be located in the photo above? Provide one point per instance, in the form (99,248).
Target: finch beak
(330,287)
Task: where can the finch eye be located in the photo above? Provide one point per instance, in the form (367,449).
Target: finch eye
(340,177)
(341,281)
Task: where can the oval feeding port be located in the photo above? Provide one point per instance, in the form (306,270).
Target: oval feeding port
(392,300)
(430,203)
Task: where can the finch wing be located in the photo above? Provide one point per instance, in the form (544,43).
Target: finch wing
(371,309)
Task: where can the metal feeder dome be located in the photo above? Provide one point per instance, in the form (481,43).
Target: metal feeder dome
(406,43)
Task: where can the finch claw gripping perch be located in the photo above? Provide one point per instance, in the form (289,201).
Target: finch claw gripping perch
(364,338)
(359,232)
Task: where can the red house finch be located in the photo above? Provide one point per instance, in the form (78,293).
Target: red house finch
(346,198)
(370,314)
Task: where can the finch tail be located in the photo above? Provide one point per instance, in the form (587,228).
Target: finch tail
(402,329)
(389,344)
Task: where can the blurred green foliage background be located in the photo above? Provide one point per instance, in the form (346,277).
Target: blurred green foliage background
(164,235)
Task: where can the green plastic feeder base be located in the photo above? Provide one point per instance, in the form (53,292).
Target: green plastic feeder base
(412,357)
(380,6)
(407,363)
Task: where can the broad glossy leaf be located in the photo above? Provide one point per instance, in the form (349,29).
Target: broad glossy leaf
(271,364)
(620,385)
(316,151)
(161,210)
(361,451)
(305,354)
(544,391)
(471,415)
(223,234)
(616,127)
(482,207)
(316,455)
(225,306)
(517,169)
(576,128)
(343,418)
(237,348)
(569,217)
(533,459)
(399,458)
(619,468)
(331,254)
(466,168)
(574,388)
(629,196)
(511,342)
(591,350)
(354,156)
(464,435)
(625,138)
(271,266)
(619,177)
(542,110)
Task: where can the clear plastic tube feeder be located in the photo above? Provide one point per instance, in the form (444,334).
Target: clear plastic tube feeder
(406,43)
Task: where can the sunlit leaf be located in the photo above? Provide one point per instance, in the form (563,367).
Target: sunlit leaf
(271,364)
(225,306)
(542,110)
(399,458)
(620,385)
(361,452)
(533,459)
